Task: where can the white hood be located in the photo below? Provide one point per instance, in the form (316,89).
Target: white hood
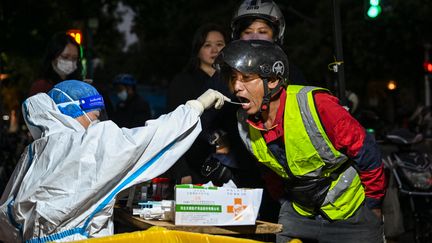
(44,118)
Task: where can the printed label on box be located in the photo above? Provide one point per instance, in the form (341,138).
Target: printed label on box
(196,205)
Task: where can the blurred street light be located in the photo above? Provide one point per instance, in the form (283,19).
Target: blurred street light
(76,34)
(428,66)
(3,72)
(372,8)
(3,76)
(391,85)
(428,71)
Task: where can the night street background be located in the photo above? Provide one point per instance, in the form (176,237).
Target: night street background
(390,47)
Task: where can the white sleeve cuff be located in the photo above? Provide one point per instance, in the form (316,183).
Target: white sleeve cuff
(195,104)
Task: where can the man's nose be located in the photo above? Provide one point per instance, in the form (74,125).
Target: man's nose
(237,85)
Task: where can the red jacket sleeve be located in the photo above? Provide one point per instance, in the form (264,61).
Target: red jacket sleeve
(350,138)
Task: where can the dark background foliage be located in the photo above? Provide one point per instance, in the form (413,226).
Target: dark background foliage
(375,51)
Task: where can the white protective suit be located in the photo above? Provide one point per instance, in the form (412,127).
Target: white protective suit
(65,184)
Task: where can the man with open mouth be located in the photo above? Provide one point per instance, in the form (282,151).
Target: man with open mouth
(333,176)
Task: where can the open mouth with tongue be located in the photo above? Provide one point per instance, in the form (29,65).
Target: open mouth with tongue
(244,102)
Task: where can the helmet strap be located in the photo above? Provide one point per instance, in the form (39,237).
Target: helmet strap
(268,94)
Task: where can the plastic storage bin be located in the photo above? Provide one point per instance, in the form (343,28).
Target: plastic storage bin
(162,235)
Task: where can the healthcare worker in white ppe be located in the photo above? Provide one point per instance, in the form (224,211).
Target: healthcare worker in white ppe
(65,184)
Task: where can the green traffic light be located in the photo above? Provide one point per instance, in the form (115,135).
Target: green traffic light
(374,2)
(373,11)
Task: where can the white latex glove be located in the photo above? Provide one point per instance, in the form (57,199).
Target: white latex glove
(211,97)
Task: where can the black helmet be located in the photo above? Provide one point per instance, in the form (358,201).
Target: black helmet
(254,57)
(261,9)
(260,57)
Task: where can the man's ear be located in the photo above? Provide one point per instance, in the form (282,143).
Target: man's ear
(272,83)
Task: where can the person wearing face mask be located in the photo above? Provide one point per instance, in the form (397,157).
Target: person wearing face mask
(129,109)
(64,186)
(61,61)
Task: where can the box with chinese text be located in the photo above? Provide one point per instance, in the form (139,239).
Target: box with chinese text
(201,205)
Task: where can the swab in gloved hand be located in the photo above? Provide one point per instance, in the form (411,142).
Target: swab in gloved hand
(212,98)
(235,103)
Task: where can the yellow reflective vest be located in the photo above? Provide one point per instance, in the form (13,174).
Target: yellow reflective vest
(309,154)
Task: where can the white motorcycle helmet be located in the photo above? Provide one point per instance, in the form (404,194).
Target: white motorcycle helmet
(259,9)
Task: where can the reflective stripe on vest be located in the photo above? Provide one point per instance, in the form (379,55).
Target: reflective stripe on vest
(314,144)
(309,153)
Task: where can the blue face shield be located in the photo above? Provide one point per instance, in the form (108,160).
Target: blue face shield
(86,104)
(76,98)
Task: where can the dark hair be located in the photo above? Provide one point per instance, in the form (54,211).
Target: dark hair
(54,49)
(198,41)
(245,22)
